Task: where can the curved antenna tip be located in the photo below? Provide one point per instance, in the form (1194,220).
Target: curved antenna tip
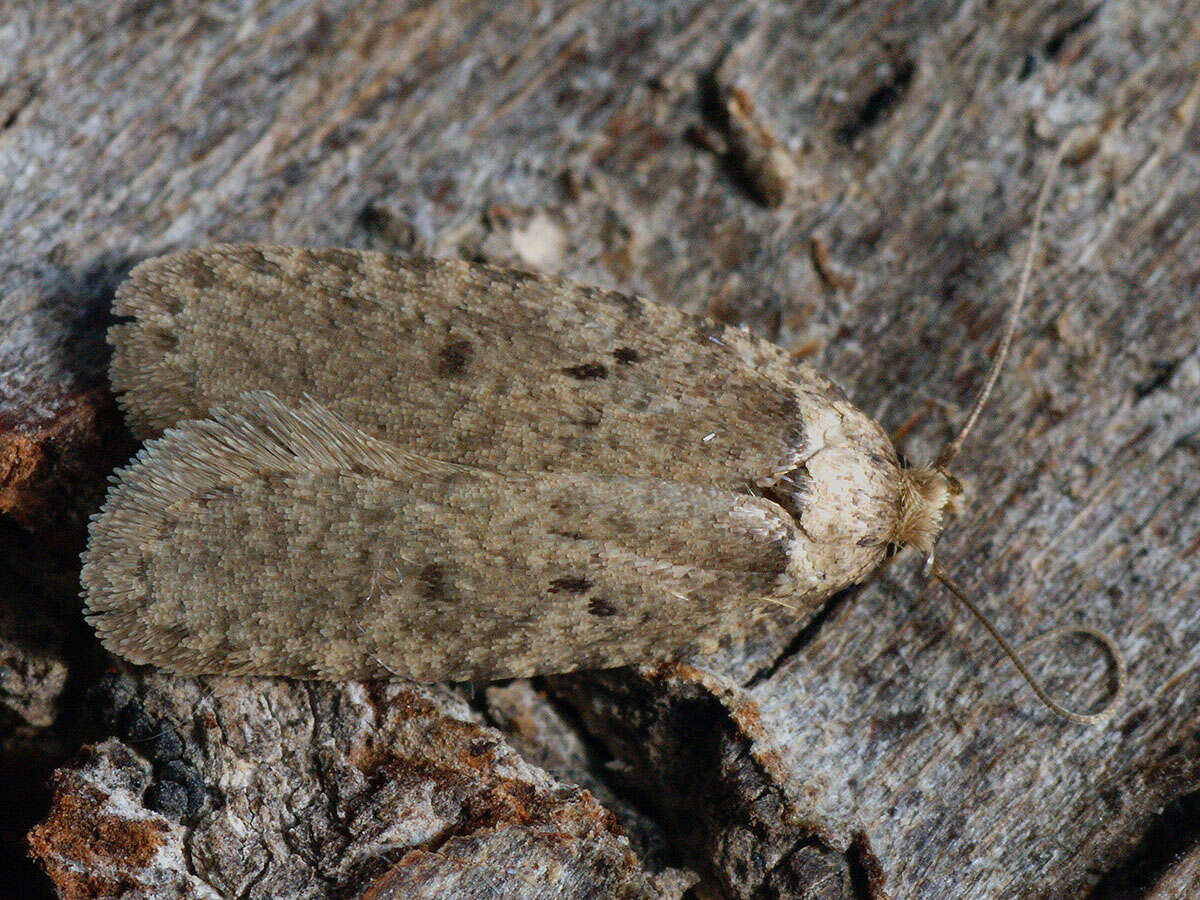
(1109,645)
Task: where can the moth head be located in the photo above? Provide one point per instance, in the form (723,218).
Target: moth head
(928,494)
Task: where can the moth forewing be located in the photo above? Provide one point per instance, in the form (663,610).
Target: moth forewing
(485,366)
(271,540)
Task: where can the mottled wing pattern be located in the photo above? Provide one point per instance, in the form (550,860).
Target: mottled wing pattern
(461,361)
(284,541)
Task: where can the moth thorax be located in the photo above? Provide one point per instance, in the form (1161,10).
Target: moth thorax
(926,495)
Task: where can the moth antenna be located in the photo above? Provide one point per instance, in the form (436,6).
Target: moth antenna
(951,450)
(1103,639)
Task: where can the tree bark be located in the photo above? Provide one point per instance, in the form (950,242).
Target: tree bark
(855,182)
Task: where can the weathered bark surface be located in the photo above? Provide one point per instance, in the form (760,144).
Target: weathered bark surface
(855,182)
(299,790)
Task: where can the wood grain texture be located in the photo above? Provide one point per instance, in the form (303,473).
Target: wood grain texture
(583,139)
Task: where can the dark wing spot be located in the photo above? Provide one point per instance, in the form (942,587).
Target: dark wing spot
(454,358)
(195,270)
(626,356)
(633,307)
(601,606)
(868,541)
(590,419)
(770,563)
(433,583)
(571,584)
(587,371)
(256,261)
(789,409)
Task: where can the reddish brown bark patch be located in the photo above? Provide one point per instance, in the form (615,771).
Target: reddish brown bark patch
(54,469)
(79,830)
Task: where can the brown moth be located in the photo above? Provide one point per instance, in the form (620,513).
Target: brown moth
(455,471)
(372,466)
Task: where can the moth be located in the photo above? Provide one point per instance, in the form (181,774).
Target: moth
(363,466)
